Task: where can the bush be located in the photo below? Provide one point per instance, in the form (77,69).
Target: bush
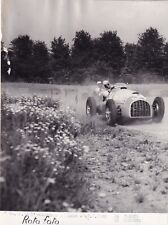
(39,157)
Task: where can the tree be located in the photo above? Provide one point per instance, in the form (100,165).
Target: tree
(60,59)
(40,50)
(82,49)
(22,47)
(60,53)
(30,60)
(21,58)
(165,61)
(150,50)
(40,62)
(131,57)
(108,48)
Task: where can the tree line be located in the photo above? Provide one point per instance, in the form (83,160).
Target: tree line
(104,57)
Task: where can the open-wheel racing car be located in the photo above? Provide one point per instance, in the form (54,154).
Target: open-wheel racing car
(122,105)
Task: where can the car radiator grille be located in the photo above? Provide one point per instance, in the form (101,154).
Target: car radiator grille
(140,108)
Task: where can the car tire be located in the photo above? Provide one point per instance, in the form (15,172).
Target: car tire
(91,107)
(158,107)
(111,112)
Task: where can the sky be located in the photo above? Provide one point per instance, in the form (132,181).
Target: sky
(45,19)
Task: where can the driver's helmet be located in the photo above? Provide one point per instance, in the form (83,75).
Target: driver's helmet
(99,84)
(106,84)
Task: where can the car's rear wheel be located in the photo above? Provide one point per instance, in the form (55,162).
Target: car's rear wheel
(91,107)
(158,109)
(111,112)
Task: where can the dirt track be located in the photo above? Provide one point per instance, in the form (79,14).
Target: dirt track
(127,171)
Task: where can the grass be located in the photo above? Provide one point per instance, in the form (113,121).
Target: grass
(40,156)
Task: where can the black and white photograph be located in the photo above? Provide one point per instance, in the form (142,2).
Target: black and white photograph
(84,107)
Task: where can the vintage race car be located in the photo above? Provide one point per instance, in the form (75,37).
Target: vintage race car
(122,105)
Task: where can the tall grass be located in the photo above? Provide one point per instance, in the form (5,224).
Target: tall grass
(40,156)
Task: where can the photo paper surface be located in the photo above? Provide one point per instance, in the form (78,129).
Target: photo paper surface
(84,112)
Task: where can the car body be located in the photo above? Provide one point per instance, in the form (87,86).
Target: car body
(123,104)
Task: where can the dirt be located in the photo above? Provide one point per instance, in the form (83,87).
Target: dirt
(127,171)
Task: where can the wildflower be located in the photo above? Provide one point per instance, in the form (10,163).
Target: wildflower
(69,209)
(50,180)
(4,158)
(2,179)
(47,201)
(72,143)
(65,204)
(27,150)
(86,149)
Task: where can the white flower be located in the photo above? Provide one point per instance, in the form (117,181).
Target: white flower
(47,201)
(86,148)
(2,179)
(65,204)
(51,180)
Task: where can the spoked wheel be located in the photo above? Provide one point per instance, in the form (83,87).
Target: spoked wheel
(91,106)
(111,112)
(158,109)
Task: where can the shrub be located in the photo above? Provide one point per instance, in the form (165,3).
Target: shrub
(40,155)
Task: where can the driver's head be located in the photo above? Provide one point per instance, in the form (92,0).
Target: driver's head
(106,84)
(99,83)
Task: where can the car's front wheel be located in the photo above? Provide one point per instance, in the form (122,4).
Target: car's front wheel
(111,112)
(91,107)
(158,109)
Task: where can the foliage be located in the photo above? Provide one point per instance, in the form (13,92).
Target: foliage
(39,156)
(20,52)
(40,62)
(131,57)
(60,53)
(60,60)
(22,47)
(150,50)
(108,48)
(165,61)
(106,56)
(40,50)
(30,60)
(82,49)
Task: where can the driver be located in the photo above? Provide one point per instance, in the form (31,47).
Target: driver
(103,89)
(108,87)
(106,84)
